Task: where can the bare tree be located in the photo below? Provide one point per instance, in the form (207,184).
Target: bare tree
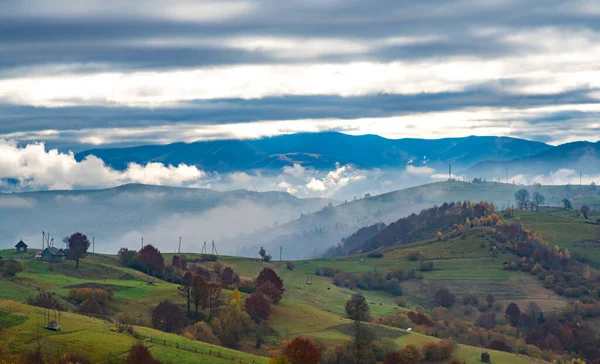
(522,197)
(538,199)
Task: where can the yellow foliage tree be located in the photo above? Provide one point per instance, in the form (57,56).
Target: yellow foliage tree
(440,235)
(236,300)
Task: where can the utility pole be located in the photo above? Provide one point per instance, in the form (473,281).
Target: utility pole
(280,252)
(142,244)
(449,171)
(93,245)
(506,175)
(580,178)
(179,249)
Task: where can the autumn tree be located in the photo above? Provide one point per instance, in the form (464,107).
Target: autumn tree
(126,256)
(235,323)
(229,277)
(585,210)
(185,289)
(77,247)
(214,298)
(444,297)
(139,354)
(258,307)
(199,292)
(152,260)
(394,358)
(512,313)
(168,317)
(490,300)
(410,353)
(522,198)
(538,199)
(10,268)
(302,351)
(357,308)
(269,283)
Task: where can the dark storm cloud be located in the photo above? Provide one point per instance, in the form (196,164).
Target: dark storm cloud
(42,38)
(31,37)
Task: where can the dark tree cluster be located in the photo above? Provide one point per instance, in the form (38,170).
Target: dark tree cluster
(422,226)
(378,281)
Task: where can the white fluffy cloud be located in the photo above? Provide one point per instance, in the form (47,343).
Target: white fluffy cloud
(34,166)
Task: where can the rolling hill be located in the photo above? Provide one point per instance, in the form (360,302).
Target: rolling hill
(122,215)
(322,151)
(584,156)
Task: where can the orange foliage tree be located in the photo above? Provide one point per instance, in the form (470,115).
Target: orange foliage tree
(302,351)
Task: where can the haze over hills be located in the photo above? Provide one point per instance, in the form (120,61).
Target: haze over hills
(584,156)
(322,151)
(121,216)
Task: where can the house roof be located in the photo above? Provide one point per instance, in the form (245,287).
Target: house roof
(53,251)
(21,244)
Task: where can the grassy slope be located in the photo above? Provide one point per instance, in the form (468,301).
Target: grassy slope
(100,340)
(563,231)
(307,310)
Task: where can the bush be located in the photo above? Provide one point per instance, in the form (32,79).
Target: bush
(10,268)
(470,299)
(139,354)
(376,255)
(426,266)
(247,286)
(414,255)
(201,331)
(46,300)
(401,301)
(168,317)
(410,353)
(290,265)
(444,297)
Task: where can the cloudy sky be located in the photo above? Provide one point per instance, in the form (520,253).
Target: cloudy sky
(85,73)
(82,73)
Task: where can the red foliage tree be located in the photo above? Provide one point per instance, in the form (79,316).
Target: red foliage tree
(512,313)
(152,260)
(199,292)
(214,298)
(139,354)
(394,358)
(258,307)
(269,275)
(167,316)
(302,351)
(229,277)
(271,291)
(444,297)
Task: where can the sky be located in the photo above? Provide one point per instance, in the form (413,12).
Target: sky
(82,74)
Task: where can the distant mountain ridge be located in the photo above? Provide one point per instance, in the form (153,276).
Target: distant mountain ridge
(322,151)
(584,156)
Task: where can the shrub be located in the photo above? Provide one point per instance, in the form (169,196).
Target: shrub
(168,317)
(470,299)
(444,297)
(201,331)
(290,265)
(401,301)
(414,255)
(247,286)
(410,353)
(376,255)
(46,300)
(10,268)
(139,354)
(426,266)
